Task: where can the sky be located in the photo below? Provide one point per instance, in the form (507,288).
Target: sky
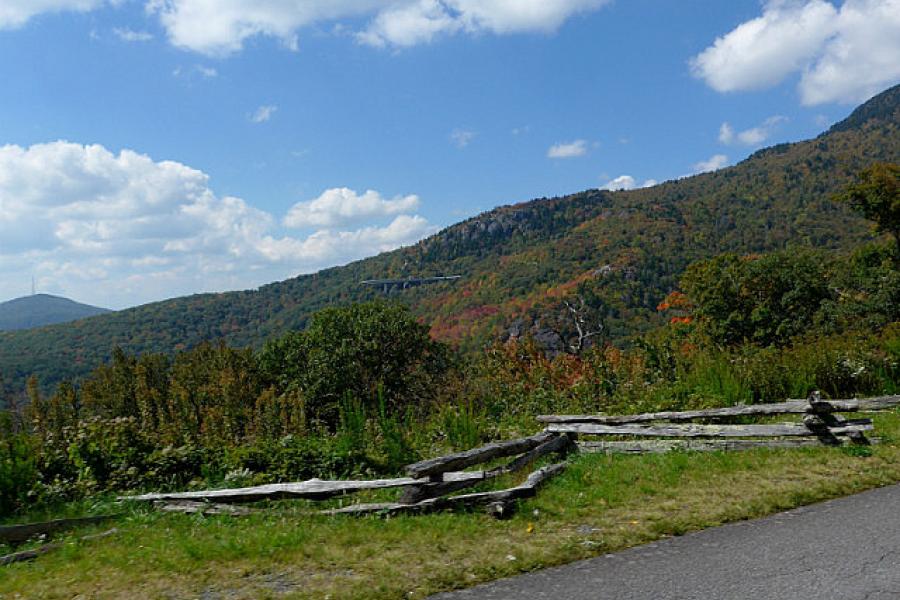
(158,148)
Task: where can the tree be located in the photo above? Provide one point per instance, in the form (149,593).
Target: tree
(582,323)
(876,195)
(357,351)
(760,299)
(213,391)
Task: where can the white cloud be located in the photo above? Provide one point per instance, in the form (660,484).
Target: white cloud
(862,60)
(15,13)
(410,22)
(263,113)
(626,182)
(119,229)
(196,71)
(221,27)
(568,149)
(214,27)
(622,182)
(325,244)
(129,35)
(753,136)
(726,133)
(342,206)
(844,54)
(714,163)
(462,137)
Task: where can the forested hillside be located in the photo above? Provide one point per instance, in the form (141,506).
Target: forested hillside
(519,262)
(43,309)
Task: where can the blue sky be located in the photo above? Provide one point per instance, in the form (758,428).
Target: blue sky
(150,149)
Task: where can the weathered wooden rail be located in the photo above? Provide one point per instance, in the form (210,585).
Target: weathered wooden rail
(821,424)
(16,534)
(429,484)
(426,489)
(27,555)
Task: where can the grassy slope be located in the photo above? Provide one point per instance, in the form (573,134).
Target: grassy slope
(515,257)
(599,504)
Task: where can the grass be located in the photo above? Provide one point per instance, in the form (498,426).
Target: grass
(600,504)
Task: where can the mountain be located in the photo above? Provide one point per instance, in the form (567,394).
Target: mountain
(43,309)
(517,260)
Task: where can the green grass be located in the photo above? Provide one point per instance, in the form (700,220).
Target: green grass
(599,504)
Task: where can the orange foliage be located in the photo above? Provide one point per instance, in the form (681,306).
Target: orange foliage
(675,300)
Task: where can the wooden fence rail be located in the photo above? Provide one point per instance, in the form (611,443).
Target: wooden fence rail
(821,424)
(692,430)
(815,405)
(431,482)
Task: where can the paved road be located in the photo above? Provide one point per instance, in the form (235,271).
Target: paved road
(846,549)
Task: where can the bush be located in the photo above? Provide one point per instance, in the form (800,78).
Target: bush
(18,467)
(759,299)
(294,458)
(99,454)
(357,350)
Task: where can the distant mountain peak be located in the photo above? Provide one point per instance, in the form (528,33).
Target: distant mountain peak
(881,107)
(38,310)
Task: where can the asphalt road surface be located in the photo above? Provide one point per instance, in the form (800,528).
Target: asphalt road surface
(845,549)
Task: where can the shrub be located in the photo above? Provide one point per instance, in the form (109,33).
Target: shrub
(18,467)
(760,299)
(357,350)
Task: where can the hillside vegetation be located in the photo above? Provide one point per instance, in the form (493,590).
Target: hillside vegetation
(351,397)
(38,310)
(517,261)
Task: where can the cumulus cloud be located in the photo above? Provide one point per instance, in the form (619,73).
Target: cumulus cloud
(263,113)
(626,182)
(713,163)
(324,244)
(217,28)
(568,149)
(15,13)
(753,136)
(408,24)
(119,229)
(129,35)
(420,21)
(343,206)
(844,54)
(462,137)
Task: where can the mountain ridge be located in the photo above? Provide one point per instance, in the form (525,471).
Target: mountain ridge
(519,258)
(39,310)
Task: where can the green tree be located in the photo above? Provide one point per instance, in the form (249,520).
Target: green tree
(109,391)
(876,195)
(357,350)
(760,299)
(212,393)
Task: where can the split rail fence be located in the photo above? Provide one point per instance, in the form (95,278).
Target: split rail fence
(431,485)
